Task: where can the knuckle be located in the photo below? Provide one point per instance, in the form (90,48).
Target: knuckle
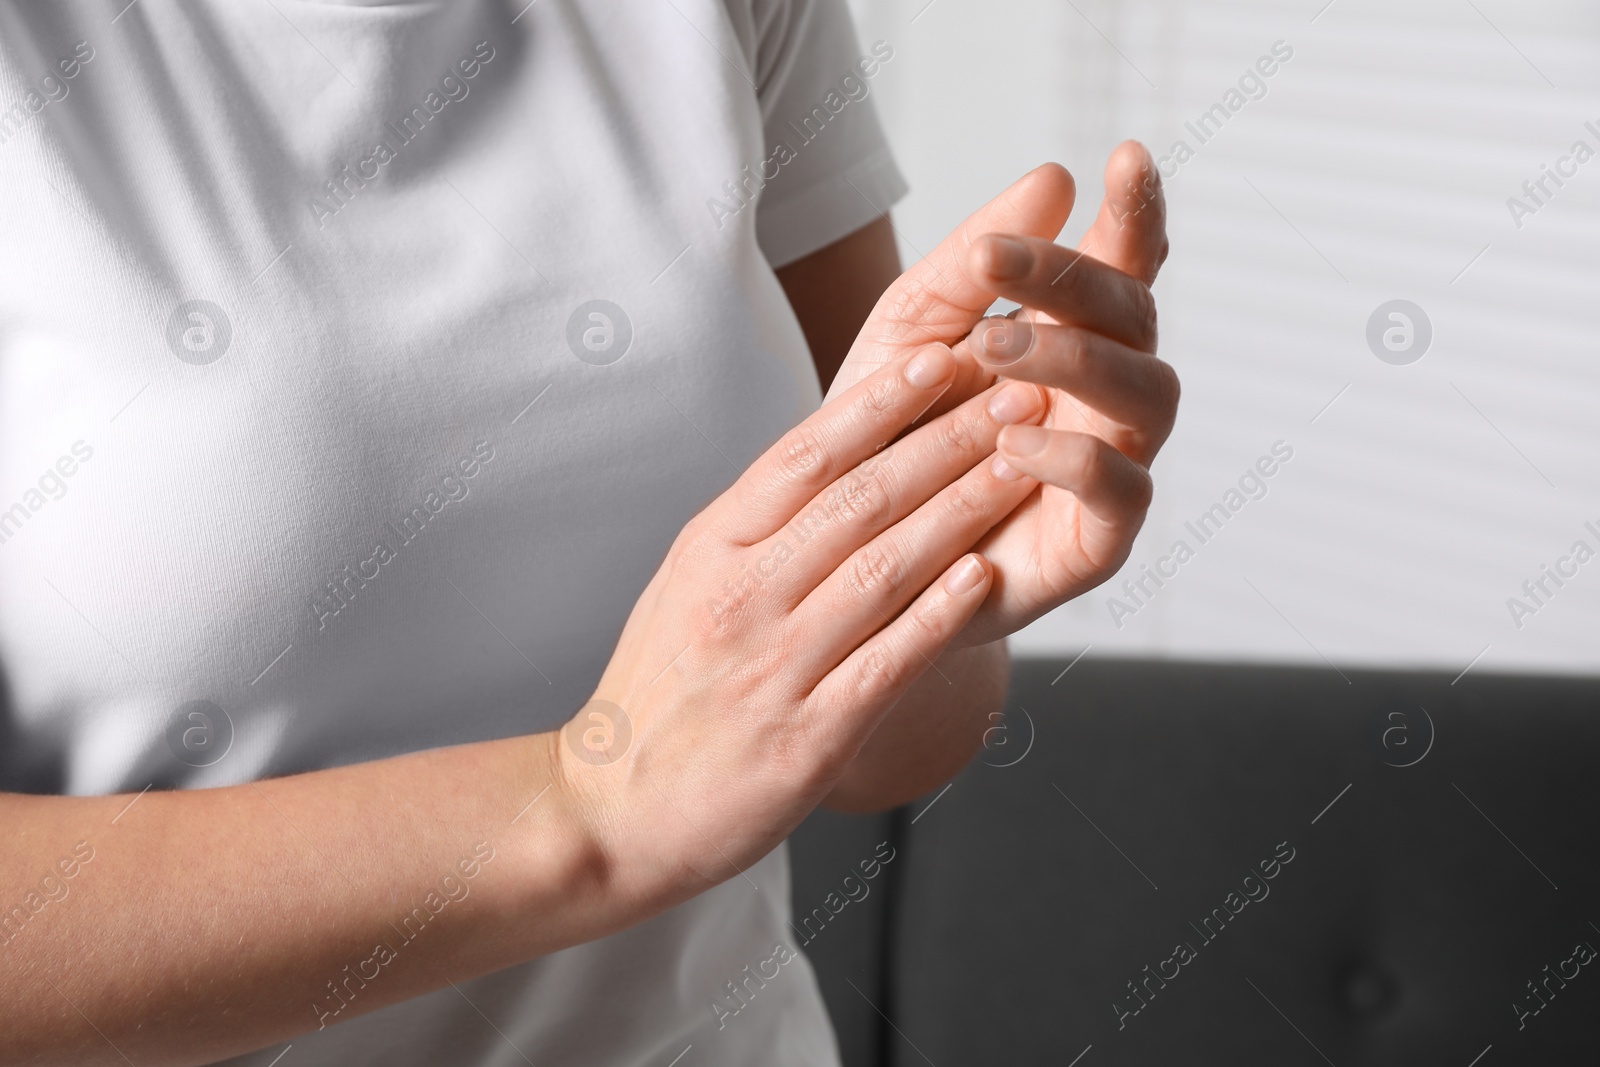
(765,665)
(714,620)
(793,752)
(881,397)
(930,619)
(732,607)
(1063,272)
(1077,353)
(695,544)
(1141,492)
(966,501)
(880,672)
(680,559)
(801,456)
(859,501)
(1107,569)
(1147,493)
(1101,465)
(694,534)
(958,435)
(1144,318)
(1168,388)
(1085,461)
(875,571)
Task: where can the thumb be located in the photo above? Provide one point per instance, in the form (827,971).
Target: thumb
(937,299)
(1130,232)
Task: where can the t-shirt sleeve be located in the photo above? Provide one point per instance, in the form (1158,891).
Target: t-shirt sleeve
(833,169)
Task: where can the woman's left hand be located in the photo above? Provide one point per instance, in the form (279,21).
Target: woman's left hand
(1086,335)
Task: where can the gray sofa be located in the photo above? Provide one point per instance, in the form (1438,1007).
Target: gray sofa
(1162,863)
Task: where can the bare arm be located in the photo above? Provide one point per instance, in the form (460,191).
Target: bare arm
(182,927)
(834,289)
(178,928)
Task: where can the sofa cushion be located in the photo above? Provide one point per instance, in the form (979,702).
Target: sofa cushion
(1242,864)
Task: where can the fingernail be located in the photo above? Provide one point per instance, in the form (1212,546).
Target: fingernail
(1002,341)
(1003,471)
(1024,440)
(930,367)
(1016,402)
(964,577)
(1008,257)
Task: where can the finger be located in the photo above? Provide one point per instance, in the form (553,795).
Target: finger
(830,442)
(1108,484)
(877,581)
(1130,231)
(937,298)
(1122,383)
(1069,287)
(878,673)
(920,468)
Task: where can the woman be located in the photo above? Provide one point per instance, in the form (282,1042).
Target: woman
(360,364)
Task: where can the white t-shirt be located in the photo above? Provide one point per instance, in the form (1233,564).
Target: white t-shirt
(358,363)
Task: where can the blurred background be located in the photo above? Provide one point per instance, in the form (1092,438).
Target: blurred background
(1375,164)
(1383,221)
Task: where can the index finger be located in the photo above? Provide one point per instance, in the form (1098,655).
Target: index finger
(834,439)
(1070,287)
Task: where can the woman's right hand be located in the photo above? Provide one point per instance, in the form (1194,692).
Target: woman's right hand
(786,620)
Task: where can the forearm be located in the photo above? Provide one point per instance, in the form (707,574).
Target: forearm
(932,733)
(206,923)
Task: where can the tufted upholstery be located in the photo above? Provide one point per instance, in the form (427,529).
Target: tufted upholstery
(1404,929)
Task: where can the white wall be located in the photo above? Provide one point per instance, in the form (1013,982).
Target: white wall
(1377,167)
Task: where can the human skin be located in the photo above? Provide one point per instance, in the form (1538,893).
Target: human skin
(1111,406)
(210,922)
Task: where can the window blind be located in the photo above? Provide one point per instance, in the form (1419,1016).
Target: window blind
(1425,497)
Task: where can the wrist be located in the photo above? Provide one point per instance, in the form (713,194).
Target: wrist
(604,828)
(567,874)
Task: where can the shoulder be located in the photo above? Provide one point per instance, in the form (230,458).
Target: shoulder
(771,33)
